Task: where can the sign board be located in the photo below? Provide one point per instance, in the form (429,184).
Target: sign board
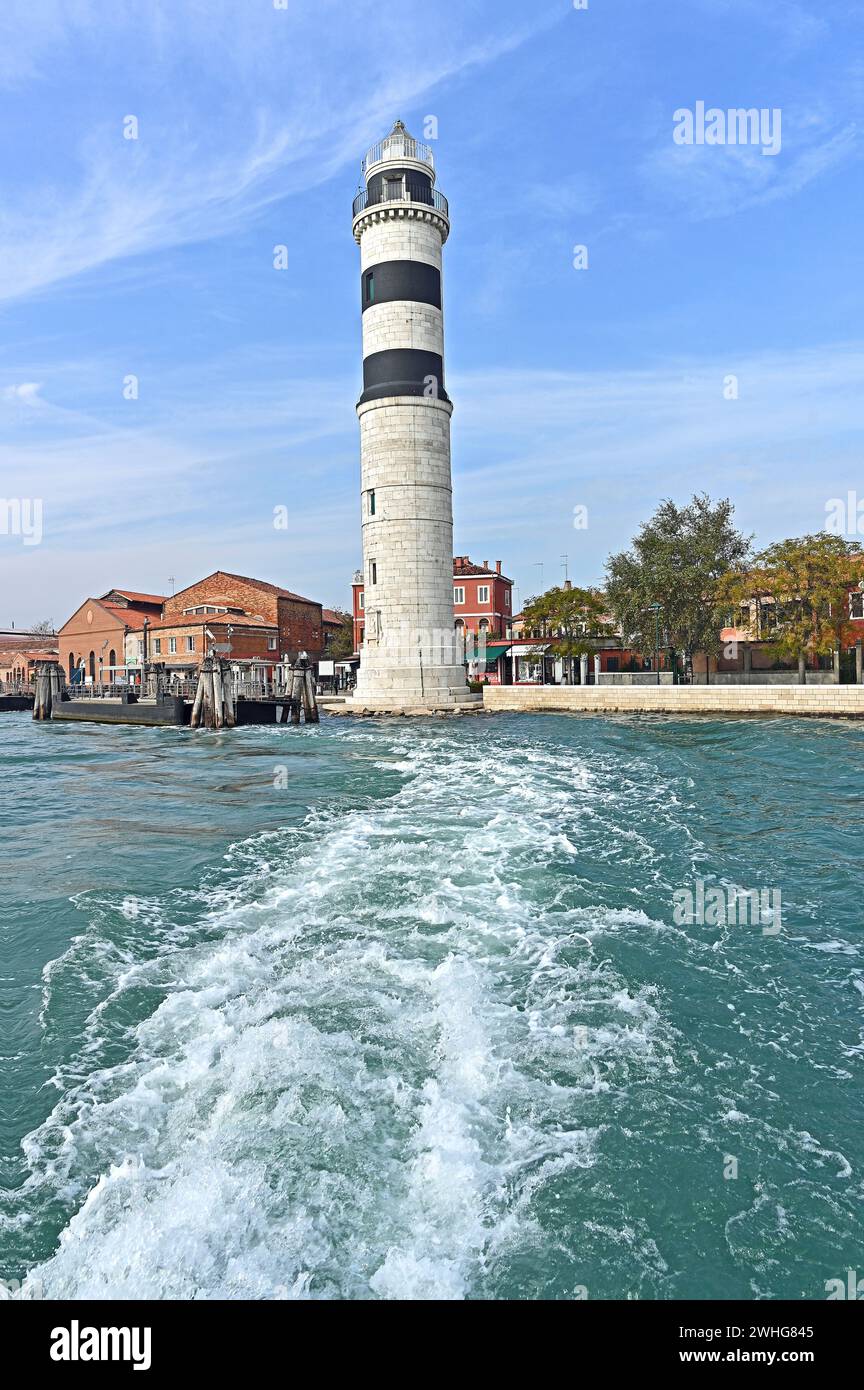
(326,668)
(220,646)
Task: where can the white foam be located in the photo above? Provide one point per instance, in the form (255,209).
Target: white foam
(347,1088)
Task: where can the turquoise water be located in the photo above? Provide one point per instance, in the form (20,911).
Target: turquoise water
(391,1009)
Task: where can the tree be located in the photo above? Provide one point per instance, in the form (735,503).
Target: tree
(574,618)
(43,629)
(809,579)
(340,645)
(677,560)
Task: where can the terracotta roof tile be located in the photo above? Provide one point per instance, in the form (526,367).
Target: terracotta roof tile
(134,597)
(211,620)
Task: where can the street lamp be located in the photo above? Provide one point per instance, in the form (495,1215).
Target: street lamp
(656,609)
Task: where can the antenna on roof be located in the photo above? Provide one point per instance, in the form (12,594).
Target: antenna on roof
(171,582)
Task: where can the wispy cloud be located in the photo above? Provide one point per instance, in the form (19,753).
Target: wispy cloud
(704,181)
(238,118)
(529,445)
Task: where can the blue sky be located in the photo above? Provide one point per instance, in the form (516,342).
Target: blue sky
(601,388)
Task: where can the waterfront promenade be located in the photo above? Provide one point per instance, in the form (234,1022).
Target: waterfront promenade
(829,701)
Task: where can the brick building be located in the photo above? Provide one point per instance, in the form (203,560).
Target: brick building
(17,667)
(106,635)
(482,600)
(275,621)
(111,637)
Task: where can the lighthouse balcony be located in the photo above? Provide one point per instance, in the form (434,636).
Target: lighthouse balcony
(398,146)
(400,190)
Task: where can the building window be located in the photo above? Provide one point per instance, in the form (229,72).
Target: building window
(856,605)
(374,571)
(506,598)
(271,644)
(157,646)
(172,644)
(482,593)
(369,282)
(361,600)
(190,644)
(459,595)
(371,501)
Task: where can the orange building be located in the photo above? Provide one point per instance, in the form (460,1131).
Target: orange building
(16,668)
(107,635)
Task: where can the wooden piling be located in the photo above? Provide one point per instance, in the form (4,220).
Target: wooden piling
(215,704)
(296,694)
(48,689)
(310,704)
(198,702)
(228,696)
(218,697)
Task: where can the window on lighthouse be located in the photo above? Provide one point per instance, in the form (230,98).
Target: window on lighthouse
(374,568)
(371,501)
(370,287)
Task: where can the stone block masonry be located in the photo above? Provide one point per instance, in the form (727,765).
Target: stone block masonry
(410,658)
(831,701)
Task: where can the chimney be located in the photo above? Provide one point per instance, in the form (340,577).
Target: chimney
(485,564)
(567,584)
(497,566)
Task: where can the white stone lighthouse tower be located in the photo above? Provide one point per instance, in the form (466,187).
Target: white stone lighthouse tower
(410,657)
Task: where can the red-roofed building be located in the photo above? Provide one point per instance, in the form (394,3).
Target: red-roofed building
(298,622)
(106,635)
(17,667)
(482,600)
(248,620)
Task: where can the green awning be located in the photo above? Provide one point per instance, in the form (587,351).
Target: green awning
(496,649)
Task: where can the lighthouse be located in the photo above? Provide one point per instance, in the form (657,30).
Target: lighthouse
(411,657)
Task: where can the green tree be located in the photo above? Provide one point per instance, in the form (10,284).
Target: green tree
(809,579)
(340,645)
(575,619)
(678,561)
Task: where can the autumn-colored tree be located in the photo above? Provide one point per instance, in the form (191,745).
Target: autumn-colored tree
(809,578)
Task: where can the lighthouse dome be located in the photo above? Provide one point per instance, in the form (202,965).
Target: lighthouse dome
(400,148)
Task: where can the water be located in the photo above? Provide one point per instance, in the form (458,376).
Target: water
(392,1009)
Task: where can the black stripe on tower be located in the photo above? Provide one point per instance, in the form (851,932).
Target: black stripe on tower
(403,372)
(390,280)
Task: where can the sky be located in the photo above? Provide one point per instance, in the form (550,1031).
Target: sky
(167,392)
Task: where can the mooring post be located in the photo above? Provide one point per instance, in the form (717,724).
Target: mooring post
(228,695)
(218,696)
(47,689)
(198,702)
(296,694)
(310,705)
(40,692)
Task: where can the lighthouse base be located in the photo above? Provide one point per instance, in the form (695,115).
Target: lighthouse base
(409,691)
(469,704)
